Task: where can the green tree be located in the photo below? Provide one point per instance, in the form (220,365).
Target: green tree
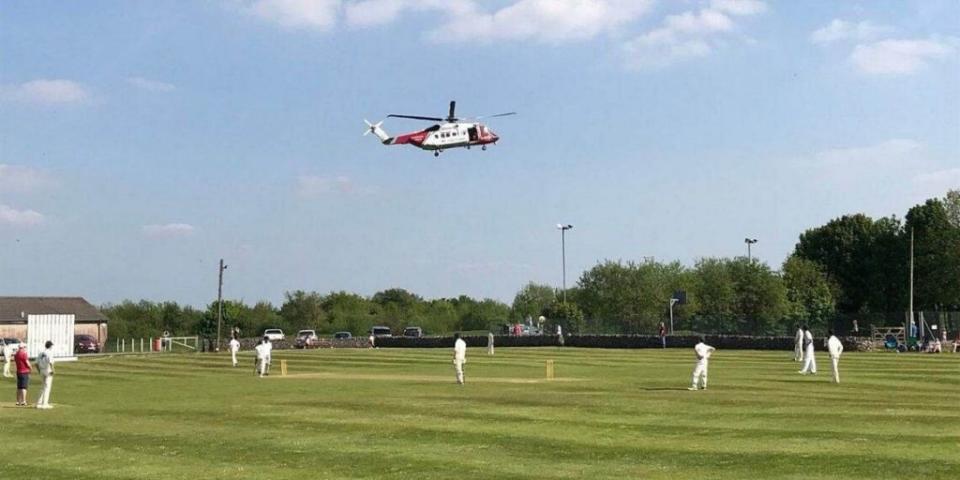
(301,310)
(567,315)
(863,257)
(809,293)
(532,300)
(936,255)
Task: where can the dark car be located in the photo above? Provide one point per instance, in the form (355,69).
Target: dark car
(416,332)
(85,344)
(342,335)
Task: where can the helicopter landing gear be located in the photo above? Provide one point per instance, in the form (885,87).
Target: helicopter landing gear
(484,148)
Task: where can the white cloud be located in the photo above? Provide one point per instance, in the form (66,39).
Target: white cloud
(17,178)
(689,34)
(367,13)
(739,7)
(151,85)
(297,14)
(838,30)
(46,92)
(889,152)
(901,56)
(551,21)
(168,230)
(20,218)
(938,182)
(312,186)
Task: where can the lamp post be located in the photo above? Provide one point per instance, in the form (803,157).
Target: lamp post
(563,251)
(749,242)
(220,304)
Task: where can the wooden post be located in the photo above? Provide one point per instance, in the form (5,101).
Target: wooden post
(283,368)
(550,373)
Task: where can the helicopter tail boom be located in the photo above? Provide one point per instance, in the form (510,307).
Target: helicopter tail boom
(375,129)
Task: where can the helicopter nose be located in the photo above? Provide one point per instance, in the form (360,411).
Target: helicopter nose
(494,137)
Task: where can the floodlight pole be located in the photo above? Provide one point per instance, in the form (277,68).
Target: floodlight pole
(563,251)
(220,304)
(911,286)
(749,242)
(672,301)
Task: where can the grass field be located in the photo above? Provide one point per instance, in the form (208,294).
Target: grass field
(398,414)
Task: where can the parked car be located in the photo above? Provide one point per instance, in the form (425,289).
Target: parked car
(305,339)
(413,332)
(274,334)
(10,341)
(381,331)
(85,344)
(342,335)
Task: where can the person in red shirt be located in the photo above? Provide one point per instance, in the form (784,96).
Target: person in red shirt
(23,375)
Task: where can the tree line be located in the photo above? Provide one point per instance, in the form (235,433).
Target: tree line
(853,267)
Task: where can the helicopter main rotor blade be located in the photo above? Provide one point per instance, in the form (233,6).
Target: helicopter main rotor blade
(414,117)
(494,116)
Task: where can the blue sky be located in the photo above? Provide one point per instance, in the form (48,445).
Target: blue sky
(142,141)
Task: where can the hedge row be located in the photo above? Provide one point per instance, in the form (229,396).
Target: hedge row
(723,342)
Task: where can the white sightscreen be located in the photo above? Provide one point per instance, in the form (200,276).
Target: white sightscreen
(56,328)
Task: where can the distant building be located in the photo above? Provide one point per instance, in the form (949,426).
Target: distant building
(15,310)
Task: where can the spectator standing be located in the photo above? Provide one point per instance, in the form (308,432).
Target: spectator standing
(703,352)
(663,335)
(23,375)
(835,347)
(45,368)
(459,356)
(490,343)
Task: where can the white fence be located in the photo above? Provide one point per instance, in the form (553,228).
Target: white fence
(55,328)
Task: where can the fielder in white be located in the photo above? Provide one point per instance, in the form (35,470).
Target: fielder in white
(490,343)
(261,349)
(234,348)
(45,367)
(459,356)
(703,352)
(8,352)
(835,347)
(798,346)
(809,362)
(269,348)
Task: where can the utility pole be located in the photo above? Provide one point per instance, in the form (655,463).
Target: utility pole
(220,304)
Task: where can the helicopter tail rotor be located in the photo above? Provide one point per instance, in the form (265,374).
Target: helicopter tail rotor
(375,129)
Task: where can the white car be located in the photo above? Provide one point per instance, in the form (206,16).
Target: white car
(274,334)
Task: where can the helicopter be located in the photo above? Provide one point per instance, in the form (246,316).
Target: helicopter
(452,133)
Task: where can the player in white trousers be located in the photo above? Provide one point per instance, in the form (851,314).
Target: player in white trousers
(490,343)
(835,347)
(234,348)
(459,356)
(809,362)
(45,367)
(8,352)
(269,348)
(703,352)
(798,346)
(261,349)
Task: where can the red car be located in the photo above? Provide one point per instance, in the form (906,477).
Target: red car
(85,344)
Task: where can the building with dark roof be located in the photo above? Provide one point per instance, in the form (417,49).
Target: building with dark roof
(15,310)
